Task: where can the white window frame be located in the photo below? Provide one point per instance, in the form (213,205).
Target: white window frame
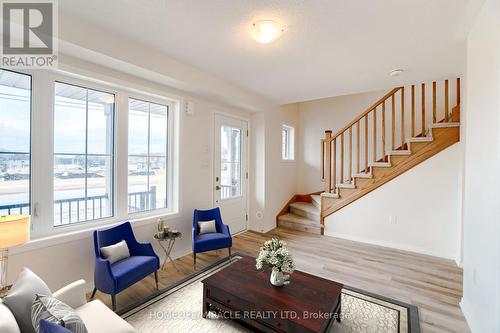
(288,149)
(42,153)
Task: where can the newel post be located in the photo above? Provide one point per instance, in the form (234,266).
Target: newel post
(327,163)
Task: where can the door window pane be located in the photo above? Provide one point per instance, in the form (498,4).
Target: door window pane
(15,127)
(147,166)
(83,154)
(230,162)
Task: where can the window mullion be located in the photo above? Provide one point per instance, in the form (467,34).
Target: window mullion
(148,206)
(42,157)
(86,150)
(121,155)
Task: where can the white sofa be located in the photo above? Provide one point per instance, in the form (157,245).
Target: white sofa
(98,318)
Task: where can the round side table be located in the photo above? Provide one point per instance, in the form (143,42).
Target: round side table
(169,239)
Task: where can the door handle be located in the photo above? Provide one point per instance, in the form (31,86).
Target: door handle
(217,188)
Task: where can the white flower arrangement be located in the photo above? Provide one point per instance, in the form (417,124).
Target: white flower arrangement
(274,255)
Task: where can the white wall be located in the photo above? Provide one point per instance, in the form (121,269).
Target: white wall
(278,184)
(314,118)
(257,172)
(417,211)
(481,254)
(281,175)
(63,259)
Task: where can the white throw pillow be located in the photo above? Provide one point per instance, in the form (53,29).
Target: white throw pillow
(21,296)
(55,311)
(115,252)
(207,227)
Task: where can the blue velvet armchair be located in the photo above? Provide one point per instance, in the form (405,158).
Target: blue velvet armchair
(114,278)
(212,241)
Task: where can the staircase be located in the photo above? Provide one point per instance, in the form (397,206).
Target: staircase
(389,138)
(302,213)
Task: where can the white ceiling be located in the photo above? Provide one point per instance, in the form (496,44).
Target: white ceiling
(331,47)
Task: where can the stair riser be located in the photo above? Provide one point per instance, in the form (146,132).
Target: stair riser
(299,227)
(344,192)
(361,182)
(398,159)
(303,213)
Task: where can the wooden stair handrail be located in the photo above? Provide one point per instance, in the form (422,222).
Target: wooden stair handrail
(371,108)
(337,171)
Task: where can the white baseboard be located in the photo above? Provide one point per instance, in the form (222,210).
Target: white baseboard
(467,313)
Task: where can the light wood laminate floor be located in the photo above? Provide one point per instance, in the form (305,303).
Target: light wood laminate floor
(432,284)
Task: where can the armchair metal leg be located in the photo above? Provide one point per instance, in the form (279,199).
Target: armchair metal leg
(113,302)
(93,293)
(156,280)
(194,258)
(229,251)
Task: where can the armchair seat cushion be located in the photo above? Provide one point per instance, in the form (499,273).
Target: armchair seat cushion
(211,241)
(129,271)
(99,318)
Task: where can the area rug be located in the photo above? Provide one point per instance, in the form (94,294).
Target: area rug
(178,309)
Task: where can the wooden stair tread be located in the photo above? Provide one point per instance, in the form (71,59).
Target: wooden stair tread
(363,175)
(445,125)
(346,185)
(305,206)
(292,218)
(380,164)
(400,152)
(420,139)
(330,195)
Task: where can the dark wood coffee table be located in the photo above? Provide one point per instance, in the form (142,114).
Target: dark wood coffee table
(241,293)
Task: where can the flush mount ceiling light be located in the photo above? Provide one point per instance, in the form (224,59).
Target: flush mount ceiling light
(396,72)
(266,31)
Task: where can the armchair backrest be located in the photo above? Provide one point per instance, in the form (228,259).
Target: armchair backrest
(207,215)
(112,236)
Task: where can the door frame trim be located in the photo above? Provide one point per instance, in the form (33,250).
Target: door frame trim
(247,160)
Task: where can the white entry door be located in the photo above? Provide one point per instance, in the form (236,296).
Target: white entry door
(230,179)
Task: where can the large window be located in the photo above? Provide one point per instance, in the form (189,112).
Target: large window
(147,156)
(15,122)
(83,154)
(76,153)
